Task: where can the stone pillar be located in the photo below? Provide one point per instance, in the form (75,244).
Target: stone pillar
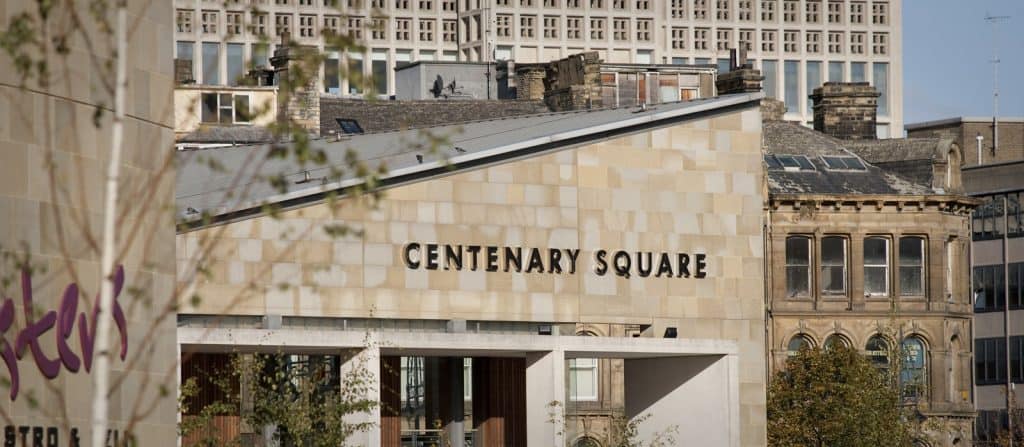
(298,99)
(365,362)
(545,398)
(456,414)
(846,110)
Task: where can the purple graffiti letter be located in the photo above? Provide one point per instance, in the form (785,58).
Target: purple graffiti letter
(6,320)
(87,329)
(29,336)
(65,326)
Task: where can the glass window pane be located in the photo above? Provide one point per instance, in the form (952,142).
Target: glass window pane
(236,63)
(792,81)
(355,74)
(813,81)
(911,281)
(260,55)
(241,108)
(770,70)
(858,72)
(797,281)
(184,52)
(211,63)
(723,65)
(379,70)
(797,343)
(833,265)
(798,251)
(210,109)
(911,255)
(877,350)
(881,77)
(875,251)
(332,76)
(875,280)
(835,71)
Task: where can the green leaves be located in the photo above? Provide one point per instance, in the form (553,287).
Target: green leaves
(835,398)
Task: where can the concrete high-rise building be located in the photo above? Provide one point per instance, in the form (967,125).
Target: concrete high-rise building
(797,44)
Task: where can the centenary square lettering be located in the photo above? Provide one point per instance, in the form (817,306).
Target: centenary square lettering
(492,258)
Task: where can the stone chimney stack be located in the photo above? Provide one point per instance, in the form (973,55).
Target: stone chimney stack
(846,110)
(742,78)
(298,100)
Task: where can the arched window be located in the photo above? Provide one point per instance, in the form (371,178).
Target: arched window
(877,351)
(798,342)
(836,340)
(913,371)
(586,441)
(798,266)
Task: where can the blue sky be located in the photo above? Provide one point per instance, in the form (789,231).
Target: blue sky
(947,46)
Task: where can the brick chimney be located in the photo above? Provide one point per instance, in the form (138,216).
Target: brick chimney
(297,101)
(742,77)
(846,110)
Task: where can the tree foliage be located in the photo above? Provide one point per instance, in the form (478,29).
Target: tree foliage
(835,398)
(301,400)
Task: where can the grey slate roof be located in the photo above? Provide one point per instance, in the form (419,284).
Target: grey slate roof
(784,138)
(229,135)
(229,183)
(912,158)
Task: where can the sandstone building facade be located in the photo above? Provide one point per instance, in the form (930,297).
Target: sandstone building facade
(864,255)
(563,261)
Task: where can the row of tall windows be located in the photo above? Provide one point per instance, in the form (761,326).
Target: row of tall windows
(879,265)
(816,73)
(991,284)
(990,360)
(989,222)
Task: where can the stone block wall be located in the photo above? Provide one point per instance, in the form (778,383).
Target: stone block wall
(380,116)
(530,83)
(55,146)
(622,192)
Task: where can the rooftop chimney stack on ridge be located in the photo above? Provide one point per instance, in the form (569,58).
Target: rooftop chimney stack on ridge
(846,110)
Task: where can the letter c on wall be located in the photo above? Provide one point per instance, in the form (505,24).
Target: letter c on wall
(408,258)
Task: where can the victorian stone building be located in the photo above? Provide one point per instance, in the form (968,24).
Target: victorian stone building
(870,256)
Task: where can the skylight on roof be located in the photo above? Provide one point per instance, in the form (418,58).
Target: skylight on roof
(788,163)
(844,163)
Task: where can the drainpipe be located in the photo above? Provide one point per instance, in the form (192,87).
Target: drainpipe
(979,138)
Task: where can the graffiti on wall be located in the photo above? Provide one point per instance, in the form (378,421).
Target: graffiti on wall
(59,324)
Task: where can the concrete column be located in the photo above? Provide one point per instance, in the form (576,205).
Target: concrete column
(366,363)
(697,397)
(545,384)
(456,425)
